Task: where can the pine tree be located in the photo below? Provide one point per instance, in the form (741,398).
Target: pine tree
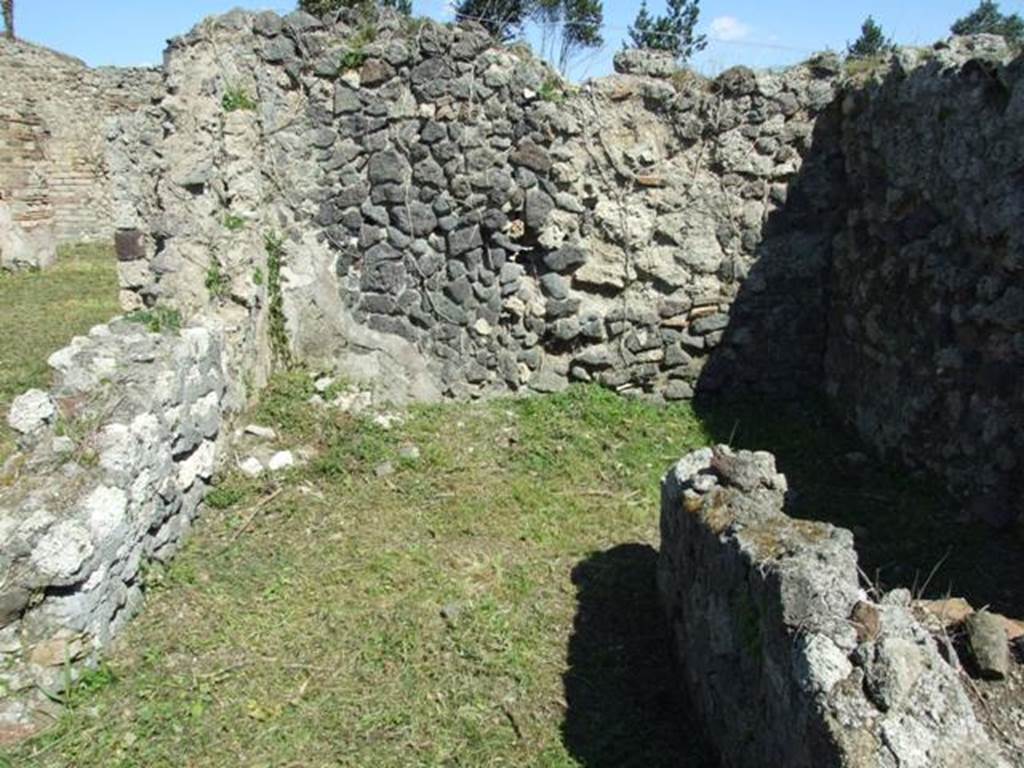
(987,19)
(402,6)
(673,32)
(582,21)
(322,7)
(502,18)
(568,26)
(872,41)
(8,9)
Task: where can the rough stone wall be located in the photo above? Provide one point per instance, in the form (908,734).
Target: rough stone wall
(424,208)
(783,655)
(116,459)
(926,344)
(53,118)
(451,217)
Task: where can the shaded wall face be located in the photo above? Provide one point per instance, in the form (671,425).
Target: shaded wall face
(926,339)
(53,116)
(449,205)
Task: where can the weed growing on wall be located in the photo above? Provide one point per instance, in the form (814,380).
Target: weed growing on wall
(278,331)
(216,281)
(233,223)
(553,90)
(355,55)
(157,319)
(236,98)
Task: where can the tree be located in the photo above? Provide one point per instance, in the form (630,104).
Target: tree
(872,41)
(987,19)
(672,32)
(567,26)
(504,19)
(581,28)
(322,7)
(8,8)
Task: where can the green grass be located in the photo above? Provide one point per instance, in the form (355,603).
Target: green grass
(41,311)
(489,604)
(429,617)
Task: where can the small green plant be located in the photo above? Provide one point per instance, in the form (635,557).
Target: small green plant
(353,58)
(226,495)
(355,55)
(233,223)
(216,281)
(866,65)
(157,320)
(552,90)
(257,276)
(236,98)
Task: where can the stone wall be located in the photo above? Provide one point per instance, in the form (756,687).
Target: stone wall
(926,344)
(786,659)
(53,118)
(451,213)
(116,459)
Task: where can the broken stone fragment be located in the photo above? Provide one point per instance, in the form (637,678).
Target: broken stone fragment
(263,433)
(281,460)
(990,650)
(945,613)
(251,467)
(31,412)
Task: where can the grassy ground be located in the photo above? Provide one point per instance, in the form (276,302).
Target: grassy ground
(490,603)
(41,311)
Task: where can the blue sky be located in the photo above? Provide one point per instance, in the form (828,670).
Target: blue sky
(752,32)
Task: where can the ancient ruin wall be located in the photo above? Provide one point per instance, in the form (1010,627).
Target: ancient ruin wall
(424,208)
(116,459)
(926,341)
(449,212)
(54,113)
(786,659)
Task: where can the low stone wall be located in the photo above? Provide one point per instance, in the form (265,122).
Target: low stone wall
(926,337)
(783,655)
(116,459)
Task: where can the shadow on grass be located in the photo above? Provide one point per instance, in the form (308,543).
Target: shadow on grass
(905,524)
(624,710)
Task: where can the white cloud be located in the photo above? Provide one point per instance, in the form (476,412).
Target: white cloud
(728,28)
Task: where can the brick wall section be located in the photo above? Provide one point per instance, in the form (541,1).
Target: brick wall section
(53,116)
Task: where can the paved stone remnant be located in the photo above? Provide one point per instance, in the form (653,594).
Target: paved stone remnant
(781,652)
(88,510)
